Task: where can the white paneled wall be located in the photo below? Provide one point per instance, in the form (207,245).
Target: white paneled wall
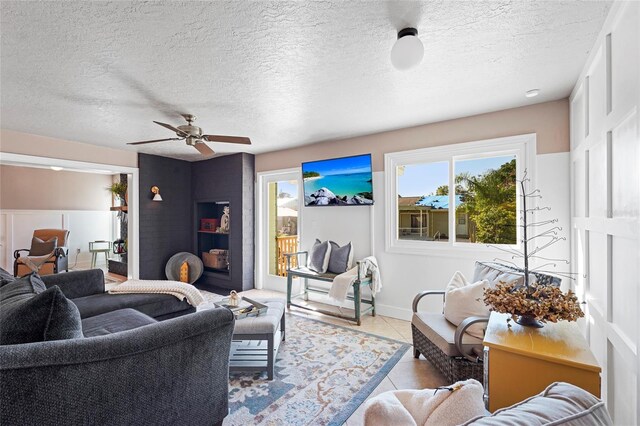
(16,231)
(605,163)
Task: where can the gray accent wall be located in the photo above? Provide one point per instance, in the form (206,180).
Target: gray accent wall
(170,226)
(230,178)
(165,227)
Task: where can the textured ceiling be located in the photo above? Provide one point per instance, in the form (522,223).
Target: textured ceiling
(282,73)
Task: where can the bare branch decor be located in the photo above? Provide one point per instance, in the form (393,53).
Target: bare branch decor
(534,303)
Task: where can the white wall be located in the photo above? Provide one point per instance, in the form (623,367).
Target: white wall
(340,224)
(404,275)
(31,188)
(16,231)
(605,163)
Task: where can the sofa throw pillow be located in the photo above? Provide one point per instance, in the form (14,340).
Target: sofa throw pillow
(40,247)
(6,277)
(319,255)
(496,273)
(28,316)
(21,288)
(559,404)
(341,258)
(463,300)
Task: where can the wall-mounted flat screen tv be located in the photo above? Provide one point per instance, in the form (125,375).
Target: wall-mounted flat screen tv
(342,181)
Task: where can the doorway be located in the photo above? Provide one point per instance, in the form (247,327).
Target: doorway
(83,225)
(279,224)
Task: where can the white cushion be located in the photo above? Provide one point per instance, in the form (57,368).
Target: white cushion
(457,281)
(464,300)
(426,407)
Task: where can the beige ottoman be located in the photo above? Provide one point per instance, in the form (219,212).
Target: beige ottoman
(256,340)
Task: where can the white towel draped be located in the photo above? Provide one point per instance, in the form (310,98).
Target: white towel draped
(174,288)
(342,283)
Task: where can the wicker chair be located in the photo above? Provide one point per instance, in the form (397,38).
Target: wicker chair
(455,353)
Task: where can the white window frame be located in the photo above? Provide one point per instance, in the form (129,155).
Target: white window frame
(522,146)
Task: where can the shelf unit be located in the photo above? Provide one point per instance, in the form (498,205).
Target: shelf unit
(208,240)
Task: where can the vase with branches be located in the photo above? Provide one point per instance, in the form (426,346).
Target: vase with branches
(534,303)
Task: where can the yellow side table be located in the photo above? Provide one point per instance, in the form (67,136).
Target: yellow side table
(523,361)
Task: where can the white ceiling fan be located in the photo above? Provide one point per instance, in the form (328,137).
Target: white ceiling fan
(193,136)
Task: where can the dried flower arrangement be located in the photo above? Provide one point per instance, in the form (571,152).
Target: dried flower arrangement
(539,302)
(533,304)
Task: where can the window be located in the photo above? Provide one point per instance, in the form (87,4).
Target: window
(486,196)
(422,193)
(457,196)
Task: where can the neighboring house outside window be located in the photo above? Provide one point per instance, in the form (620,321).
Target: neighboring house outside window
(483,177)
(426,218)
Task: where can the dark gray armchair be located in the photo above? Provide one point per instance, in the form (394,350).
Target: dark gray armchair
(165,373)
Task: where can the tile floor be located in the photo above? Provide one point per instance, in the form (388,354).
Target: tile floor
(408,373)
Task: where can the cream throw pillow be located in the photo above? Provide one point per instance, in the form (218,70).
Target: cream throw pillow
(426,407)
(464,300)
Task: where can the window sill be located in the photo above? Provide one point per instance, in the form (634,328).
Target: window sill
(455,250)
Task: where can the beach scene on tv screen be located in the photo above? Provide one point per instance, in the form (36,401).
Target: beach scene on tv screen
(338,182)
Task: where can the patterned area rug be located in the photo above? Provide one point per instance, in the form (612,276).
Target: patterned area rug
(323,373)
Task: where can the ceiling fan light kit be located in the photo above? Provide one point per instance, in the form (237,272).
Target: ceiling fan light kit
(192,135)
(408,51)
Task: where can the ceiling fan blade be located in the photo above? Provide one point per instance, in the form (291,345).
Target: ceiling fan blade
(204,149)
(155,140)
(170,127)
(227,139)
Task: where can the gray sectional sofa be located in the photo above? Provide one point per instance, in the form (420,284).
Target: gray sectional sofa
(72,354)
(86,290)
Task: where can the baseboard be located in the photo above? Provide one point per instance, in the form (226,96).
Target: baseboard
(385,310)
(86,264)
(394,312)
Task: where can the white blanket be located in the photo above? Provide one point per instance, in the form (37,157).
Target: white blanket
(342,283)
(35,262)
(174,288)
(426,407)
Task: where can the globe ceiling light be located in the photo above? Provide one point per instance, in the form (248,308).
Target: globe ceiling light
(408,51)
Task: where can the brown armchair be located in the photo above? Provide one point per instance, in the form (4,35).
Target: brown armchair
(48,250)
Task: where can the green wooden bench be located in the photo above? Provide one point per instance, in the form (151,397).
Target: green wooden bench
(306,274)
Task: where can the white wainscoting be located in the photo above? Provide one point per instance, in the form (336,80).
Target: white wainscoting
(16,231)
(605,164)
